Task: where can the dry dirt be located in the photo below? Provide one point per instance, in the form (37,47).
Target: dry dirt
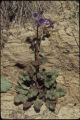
(63,55)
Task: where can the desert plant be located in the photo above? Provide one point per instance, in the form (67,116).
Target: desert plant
(37,86)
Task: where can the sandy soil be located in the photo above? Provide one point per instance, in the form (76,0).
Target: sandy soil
(63,55)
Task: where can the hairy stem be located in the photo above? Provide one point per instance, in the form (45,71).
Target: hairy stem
(37,51)
(37,57)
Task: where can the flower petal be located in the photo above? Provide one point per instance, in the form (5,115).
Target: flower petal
(47,21)
(41,21)
(35,15)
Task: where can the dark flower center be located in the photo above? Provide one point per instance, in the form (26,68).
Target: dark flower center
(35,15)
(41,21)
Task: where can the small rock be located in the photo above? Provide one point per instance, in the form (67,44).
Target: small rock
(60,79)
(69,112)
(46,42)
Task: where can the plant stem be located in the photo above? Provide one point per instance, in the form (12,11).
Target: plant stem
(37,51)
(37,57)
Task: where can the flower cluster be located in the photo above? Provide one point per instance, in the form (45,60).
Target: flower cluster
(41,20)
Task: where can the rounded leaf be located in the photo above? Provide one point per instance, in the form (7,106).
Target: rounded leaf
(50,105)
(37,104)
(59,92)
(21,91)
(5,85)
(50,94)
(41,50)
(32,93)
(48,82)
(20,99)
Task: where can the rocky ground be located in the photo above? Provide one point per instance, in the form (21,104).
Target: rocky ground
(63,55)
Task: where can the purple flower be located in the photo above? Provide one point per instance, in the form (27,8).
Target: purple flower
(41,21)
(35,15)
(47,21)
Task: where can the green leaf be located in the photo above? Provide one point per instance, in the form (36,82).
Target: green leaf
(40,55)
(49,74)
(37,105)
(27,105)
(32,93)
(24,77)
(51,78)
(59,92)
(31,70)
(21,76)
(41,50)
(41,94)
(21,83)
(50,94)
(41,76)
(20,98)
(24,86)
(50,105)
(53,74)
(43,60)
(5,85)
(34,78)
(30,73)
(27,78)
(48,82)
(38,75)
(21,91)
(55,93)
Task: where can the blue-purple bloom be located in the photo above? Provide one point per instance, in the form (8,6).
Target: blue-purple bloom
(35,15)
(41,21)
(47,21)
